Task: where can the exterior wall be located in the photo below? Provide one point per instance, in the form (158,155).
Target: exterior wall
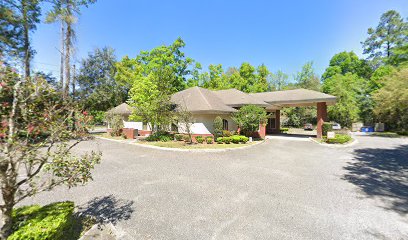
(208,121)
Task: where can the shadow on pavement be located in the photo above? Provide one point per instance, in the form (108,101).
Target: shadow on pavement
(107,209)
(383,173)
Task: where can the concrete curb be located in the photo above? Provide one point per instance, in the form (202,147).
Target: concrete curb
(134,143)
(352,143)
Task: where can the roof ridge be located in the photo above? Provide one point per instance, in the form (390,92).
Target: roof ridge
(202,95)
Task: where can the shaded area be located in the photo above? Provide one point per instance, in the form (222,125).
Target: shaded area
(382,172)
(107,209)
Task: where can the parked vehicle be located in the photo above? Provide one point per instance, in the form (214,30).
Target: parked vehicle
(308,126)
(336,126)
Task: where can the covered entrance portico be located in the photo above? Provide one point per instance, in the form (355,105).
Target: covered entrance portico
(295,98)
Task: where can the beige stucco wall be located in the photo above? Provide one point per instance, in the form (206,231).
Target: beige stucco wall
(208,121)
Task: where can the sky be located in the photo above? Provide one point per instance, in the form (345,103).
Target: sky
(283,35)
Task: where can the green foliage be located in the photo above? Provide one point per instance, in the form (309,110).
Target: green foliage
(187,138)
(178,137)
(233,139)
(199,139)
(226,133)
(48,222)
(392,101)
(217,126)
(347,62)
(278,81)
(115,122)
(249,117)
(391,32)
(339,139)
(98,117)
(284,130)
(327,127)
(297,116)
(161,136)
(209,140)
(307,78)
(98,90)
(347,90)
(154,76)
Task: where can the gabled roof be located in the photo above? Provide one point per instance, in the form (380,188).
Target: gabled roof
(235,98)
(198,99)
(295,97)
(122,109)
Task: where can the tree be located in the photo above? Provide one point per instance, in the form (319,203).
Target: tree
(400,55)
(218,127)
(66,11)
(98,90)
(347,62)
(218,80)
(391,32)
(262,79)
(154,76)
(344,87)
(36,142)
(307,78)
(392,101)
(247,73)
(249,117)
(279,81)
(20,18)
(186,120)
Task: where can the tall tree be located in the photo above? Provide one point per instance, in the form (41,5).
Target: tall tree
(390,32)
(20,19)
(347,62)
(98,89)
(66,11)
(279,81)
(153,76)
(218,79)
(262,79)
(247,72)
(307,78)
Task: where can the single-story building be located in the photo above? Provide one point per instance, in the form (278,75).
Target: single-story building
(206,105)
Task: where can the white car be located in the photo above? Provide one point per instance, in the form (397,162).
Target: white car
(336,126)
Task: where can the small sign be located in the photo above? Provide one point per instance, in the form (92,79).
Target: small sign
(331,135)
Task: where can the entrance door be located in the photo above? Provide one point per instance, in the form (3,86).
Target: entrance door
(271,124)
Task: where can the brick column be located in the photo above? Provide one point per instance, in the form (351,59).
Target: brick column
(321,117)
(277,121)
(262,130)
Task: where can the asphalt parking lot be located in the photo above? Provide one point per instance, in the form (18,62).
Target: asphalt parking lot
(280,189)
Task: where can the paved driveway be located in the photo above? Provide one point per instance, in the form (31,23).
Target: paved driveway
(276,190)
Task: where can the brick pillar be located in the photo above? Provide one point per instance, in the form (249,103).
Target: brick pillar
(129,133)
(321,117)
(262,130)
(277,121)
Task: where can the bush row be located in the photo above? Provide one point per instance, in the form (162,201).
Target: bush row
(233,139)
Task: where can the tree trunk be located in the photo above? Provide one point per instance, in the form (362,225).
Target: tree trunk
(7,210)
(26,46)
(62,57)
(67,59)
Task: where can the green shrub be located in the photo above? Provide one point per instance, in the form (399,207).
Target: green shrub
(227,140)
(178,137)
(244,139)
(209,140)
(339,139)
(116,124)
(226,133)
(217,127)
(327,127)
(186,138)
(98,117)
(199,139)
(284,130)
(219,140)
(236,139)
(159,136)
(48,222)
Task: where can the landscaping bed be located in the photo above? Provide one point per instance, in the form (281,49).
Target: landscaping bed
(338,139)
(184,145)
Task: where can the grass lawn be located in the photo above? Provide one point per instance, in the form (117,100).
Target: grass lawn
(183,145)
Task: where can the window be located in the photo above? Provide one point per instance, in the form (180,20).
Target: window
(224,124)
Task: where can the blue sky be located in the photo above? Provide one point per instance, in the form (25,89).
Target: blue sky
(281,34)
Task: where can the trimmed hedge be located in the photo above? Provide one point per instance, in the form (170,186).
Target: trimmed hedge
(234,139)
(284,130)
(199,139)
(339,139)
(34,222)
(209,140)
(159,136)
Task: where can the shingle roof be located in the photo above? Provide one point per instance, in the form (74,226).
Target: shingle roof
(122,109)
(293,97)
(198,99)
(235,98)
